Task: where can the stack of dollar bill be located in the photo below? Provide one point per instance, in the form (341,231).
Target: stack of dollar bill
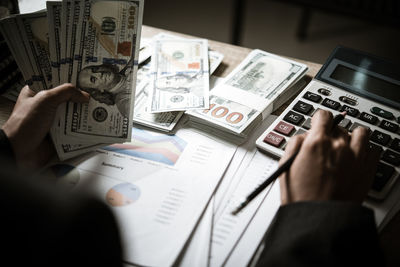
(248,94)
(175,79)
(93,44)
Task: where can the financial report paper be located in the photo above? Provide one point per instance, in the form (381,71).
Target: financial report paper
(157,185)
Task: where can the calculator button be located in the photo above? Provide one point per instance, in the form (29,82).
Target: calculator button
(284,128)
(274,139)
(395,145)
(294,118)
(303,107)
(368,118)
(312,97)
(380,138)
(398,119)
(323,91)
(387,125)
(350,111)
(355,125)
(300,131)
(307,124)
(331,104)
(382,113)
(391,157)
(373,146)
(383,174)
(345,123)
(349,101)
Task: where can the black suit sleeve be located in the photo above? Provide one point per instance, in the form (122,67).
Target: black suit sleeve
(322,234)
(44,226)
(6,151)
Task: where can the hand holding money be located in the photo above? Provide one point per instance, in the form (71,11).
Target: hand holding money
(92,44)
(31,120)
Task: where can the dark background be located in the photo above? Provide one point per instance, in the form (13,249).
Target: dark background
(369,25)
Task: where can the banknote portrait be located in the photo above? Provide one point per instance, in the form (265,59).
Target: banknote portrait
(107,84)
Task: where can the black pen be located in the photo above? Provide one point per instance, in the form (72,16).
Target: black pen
(283,168)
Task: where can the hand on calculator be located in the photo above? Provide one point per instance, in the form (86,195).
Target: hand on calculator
(331,165)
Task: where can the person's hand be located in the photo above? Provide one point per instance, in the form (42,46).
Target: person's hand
(31,120)
(331,165)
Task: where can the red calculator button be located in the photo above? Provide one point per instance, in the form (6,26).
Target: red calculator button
(274,139)
(284,128)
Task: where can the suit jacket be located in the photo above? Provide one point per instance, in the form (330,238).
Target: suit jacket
(322,234)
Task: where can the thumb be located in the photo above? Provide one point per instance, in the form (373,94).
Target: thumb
(292,147)
(284,181)
(26,92)
(67,92)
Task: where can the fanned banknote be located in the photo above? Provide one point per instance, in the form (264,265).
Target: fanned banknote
(107,72)
(10,33)
(33,30)
(180,75)
(247,95)
(214,58)
(79,41)
(54,23)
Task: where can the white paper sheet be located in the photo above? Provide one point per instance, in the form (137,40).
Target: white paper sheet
(197,252)
(228,228)
(158,186)
(239,163)
(243,252)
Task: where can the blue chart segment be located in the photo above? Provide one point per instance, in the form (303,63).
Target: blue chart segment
(122,194)
(147,145)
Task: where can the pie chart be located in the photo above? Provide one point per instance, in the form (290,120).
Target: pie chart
(122,194)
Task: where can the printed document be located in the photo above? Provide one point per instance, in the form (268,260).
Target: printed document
(157,185)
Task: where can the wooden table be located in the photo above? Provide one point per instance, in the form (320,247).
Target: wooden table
(233,55)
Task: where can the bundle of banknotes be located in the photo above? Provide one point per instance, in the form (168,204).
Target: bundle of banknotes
(248,95)
(93,44)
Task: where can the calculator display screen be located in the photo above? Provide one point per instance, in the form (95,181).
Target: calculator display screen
(365,82)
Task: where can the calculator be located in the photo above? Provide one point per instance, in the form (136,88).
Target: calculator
(368,89)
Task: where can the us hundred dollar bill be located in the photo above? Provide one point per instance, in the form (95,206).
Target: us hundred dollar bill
(70,150)
(9,30)
(265,74)
(180,75)
(34,31)
(227,114)
(164,121)
(215,59)
(74,39)
(54,24)
(106,71)
(66,8)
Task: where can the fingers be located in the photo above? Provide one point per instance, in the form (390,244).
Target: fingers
(359,142)
(321,122)
(67,92)
(294,145)
(26,92)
